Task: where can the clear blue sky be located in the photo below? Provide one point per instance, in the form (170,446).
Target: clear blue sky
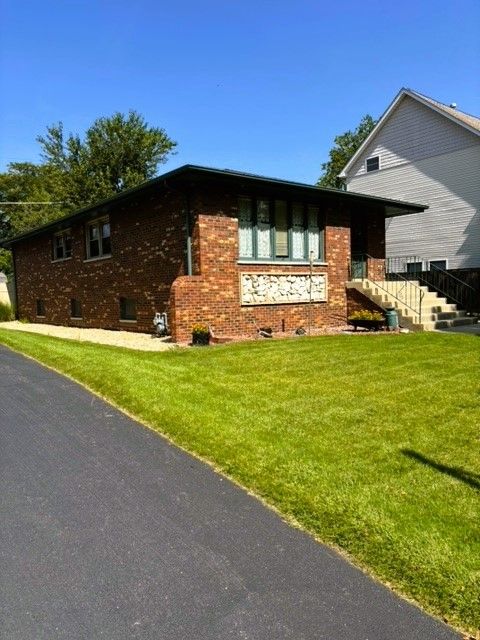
(251,85)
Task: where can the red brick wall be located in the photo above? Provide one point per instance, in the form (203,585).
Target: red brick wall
(148,248)
(148,264)
(212,294)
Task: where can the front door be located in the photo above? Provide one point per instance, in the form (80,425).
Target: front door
(358,247)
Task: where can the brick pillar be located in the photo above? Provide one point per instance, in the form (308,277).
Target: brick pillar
(210,296)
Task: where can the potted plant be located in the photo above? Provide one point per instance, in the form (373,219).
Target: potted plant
(200,334)
(371,320)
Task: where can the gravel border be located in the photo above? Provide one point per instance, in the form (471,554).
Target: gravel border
(127,339)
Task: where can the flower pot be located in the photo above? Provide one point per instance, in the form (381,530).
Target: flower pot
(200,339)
(371,325)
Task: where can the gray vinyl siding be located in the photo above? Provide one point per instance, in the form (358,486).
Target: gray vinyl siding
(450,185)
(413,132)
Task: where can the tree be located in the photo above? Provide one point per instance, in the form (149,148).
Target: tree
(345,146)
(116,153)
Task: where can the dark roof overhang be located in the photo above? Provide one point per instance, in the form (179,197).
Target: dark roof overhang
(188,176)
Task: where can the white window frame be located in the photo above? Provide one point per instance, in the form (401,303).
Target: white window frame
(98,222)
(372,158)
(439,260)
(62,235)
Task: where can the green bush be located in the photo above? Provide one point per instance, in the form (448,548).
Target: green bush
(6,312)
(366,315)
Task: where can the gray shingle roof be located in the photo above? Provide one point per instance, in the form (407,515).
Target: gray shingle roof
(465,118)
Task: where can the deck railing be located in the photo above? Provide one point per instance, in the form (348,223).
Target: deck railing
(436,279)
(396,285)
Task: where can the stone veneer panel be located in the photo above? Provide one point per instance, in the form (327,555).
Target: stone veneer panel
(282,288)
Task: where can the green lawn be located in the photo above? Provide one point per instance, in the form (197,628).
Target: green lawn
(371,443)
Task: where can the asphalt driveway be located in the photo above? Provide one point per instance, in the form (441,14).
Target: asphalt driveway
(108,531)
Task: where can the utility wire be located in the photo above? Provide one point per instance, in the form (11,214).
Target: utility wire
(3,203)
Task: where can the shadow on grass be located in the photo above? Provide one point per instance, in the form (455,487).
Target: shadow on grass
(472,479)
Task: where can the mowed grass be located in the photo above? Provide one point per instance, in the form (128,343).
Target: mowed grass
(369,442)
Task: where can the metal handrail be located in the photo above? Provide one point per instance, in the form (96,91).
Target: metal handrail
(436,278)
(405,291)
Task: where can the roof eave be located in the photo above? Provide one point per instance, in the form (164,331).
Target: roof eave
(104,206)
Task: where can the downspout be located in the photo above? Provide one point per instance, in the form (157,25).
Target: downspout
(15,284)
(189,235)
(187,225)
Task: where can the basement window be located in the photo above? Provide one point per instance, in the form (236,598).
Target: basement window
(98,239)
(128,309)
(75,309)
(372,164)
(40,308)
(62,245)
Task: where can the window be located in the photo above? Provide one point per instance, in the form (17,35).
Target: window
(128,309)
(414,267)
(372,164)
(279,230)
(62,245)
(98,239)
(40,308)
(438,264)
(75,308)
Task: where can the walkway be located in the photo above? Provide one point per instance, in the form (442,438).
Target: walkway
(110,532)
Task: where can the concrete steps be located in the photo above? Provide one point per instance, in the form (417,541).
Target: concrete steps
(404,297)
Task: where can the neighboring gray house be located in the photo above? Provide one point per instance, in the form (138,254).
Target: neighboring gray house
(424,151)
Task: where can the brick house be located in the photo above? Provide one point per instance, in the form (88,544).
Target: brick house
(225,248)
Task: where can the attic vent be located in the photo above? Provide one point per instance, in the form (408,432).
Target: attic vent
(372,164)
(453,105)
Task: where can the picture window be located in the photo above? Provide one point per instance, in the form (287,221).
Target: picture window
(280,230)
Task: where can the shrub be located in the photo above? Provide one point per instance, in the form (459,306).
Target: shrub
(6,312)
(366,315)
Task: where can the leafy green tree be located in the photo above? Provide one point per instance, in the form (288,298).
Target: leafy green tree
(5,231)
(26,182)
(116,153)
(346,145)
